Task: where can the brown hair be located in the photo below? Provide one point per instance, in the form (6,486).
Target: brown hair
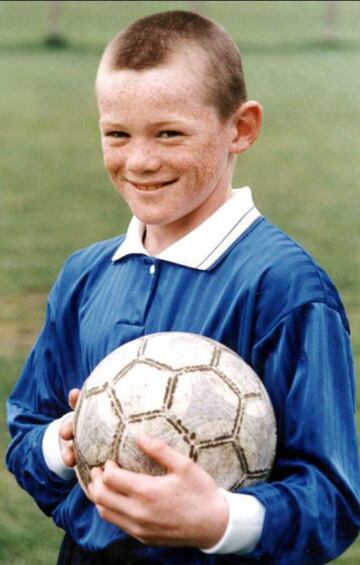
(150,41)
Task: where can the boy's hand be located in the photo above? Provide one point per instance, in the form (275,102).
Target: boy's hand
(66,437)
(182,508)
(66,431)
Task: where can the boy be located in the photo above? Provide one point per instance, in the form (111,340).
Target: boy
(197,257)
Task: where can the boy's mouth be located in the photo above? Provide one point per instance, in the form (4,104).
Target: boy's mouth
(149,187)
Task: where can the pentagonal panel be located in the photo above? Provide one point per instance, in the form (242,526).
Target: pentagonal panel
(178,349)
(257,435)
(222,463)
(141,389)
(97,424)
(130,457)
(205,404)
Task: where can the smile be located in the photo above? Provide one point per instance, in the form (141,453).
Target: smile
(151,187)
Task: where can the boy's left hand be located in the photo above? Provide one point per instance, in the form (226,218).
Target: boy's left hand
(182,508)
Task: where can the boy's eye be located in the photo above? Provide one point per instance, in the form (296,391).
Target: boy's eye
(117,134)
(169,133)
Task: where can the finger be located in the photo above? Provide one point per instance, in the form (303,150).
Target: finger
(74,397)
(122,521)
(126,483)
(68,456)
(95,472)
(160,452)
(104,495)
(66,430)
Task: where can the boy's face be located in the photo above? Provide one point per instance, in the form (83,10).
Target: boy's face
(166,150)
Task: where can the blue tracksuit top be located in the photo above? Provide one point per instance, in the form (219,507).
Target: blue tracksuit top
(266,299)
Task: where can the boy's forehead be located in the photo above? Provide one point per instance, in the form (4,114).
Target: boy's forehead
(179,78)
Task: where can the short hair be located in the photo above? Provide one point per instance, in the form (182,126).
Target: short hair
(151,40)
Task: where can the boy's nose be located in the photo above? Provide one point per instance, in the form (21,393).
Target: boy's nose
(142,158)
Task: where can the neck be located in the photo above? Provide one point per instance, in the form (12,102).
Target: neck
(157,238)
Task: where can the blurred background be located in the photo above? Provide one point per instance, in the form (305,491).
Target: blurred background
(301,62)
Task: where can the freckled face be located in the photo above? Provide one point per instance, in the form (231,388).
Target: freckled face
(166,150)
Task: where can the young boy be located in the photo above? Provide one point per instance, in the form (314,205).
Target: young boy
(197,257)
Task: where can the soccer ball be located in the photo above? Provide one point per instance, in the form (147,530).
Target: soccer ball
(188,390)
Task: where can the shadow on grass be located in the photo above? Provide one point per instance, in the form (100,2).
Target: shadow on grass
(63,46)
(88,48)
(299,47)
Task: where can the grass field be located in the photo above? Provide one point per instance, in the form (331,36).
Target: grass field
(55,196)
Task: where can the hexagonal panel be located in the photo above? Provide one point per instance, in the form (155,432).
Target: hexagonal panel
(97,425)
(238,371)
(178,349)
(130,457)
(257,435)
(205,404)
(222,463)
(112,364)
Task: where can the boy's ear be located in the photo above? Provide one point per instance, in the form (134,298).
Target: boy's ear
(247,122)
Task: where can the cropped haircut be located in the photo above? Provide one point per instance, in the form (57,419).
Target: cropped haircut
(150,41)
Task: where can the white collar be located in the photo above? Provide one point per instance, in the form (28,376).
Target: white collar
(200,248)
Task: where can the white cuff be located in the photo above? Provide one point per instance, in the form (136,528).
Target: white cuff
(246,520)
(52,453)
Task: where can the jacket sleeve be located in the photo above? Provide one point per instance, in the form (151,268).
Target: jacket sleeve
(38,398)
(55,366)
(312,498)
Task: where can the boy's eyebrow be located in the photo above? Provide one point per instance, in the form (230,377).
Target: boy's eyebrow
(169,121)
(109,123)
(160,123)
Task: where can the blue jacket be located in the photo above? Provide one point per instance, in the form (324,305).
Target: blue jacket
(266,299)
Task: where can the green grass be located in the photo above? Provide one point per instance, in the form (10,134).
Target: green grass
(55,196)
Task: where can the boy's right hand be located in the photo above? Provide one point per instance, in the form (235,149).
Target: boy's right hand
(66,431)
(66,437)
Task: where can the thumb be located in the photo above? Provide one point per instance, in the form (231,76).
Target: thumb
(160,452)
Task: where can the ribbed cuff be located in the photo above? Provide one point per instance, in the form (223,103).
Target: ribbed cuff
(246,520)
(52,452)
